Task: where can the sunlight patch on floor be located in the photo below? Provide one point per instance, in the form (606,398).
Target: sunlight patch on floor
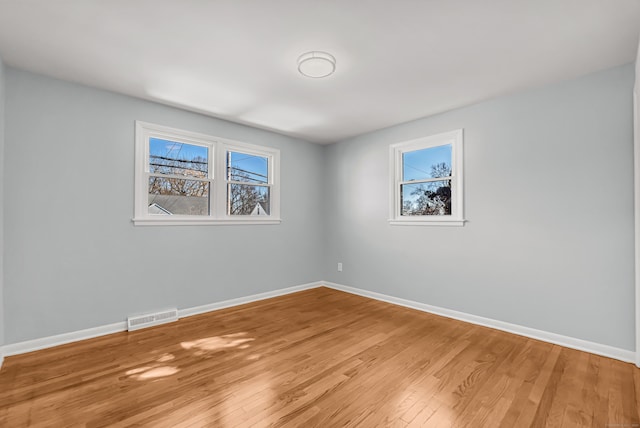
(166,357)
(146,373)
(154,370)
(158,372)
(215,343)
(136,371)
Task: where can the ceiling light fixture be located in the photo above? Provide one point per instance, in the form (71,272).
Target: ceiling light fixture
(316,64)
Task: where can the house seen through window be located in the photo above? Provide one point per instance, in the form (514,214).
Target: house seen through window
(179,181)
(248,184)
(188,178)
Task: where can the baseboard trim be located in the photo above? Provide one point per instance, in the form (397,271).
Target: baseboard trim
(182,313)
(90,333)
(557,339)
(62,339)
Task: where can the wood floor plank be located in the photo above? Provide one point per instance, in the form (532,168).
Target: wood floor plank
(317,358)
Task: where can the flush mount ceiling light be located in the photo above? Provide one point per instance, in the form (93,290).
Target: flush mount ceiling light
(316,64)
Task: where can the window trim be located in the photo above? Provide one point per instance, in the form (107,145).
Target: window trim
(455,138)
(216,176)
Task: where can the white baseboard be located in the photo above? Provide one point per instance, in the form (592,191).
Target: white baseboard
(558,339)
(248,299)
(62,339)
(90,333)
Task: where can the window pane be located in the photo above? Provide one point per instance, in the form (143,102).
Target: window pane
(169,196)
(247,168)
(246,199)
(170,157)
(433,162)
(432,198)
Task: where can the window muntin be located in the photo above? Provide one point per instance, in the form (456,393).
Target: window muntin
(188,178)
(426,180)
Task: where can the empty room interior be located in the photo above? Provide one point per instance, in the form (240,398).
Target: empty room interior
(319,213)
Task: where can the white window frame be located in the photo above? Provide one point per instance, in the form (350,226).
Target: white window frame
(218,148)
(455,138)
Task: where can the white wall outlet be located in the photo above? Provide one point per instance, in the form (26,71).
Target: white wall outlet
(339,267)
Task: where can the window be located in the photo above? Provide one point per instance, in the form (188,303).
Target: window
(248,185)
(426,181)
(186,178)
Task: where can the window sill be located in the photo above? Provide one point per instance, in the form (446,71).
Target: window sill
(430,222)
(200,221)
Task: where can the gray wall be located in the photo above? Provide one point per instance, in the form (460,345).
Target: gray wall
(636,136)
(73,258)
(549,199)
(548,245)
(2,77)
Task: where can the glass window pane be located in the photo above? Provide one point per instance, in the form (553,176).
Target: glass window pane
(433,162)
(432,198)
(246,199)
(170,157)
(175,196)
(247,168)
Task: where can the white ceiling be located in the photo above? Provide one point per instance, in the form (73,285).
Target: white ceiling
(396,60)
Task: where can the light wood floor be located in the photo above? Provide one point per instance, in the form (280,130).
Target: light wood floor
(318,358)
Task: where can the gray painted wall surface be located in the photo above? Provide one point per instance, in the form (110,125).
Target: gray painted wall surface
(549,202)
(636,136)
(548,245)
(74,260)
(2,181)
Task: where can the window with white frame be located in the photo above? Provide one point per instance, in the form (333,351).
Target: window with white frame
(187,178)
(426,184)
(248,186)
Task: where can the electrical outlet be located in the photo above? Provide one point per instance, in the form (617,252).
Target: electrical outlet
(339,267)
